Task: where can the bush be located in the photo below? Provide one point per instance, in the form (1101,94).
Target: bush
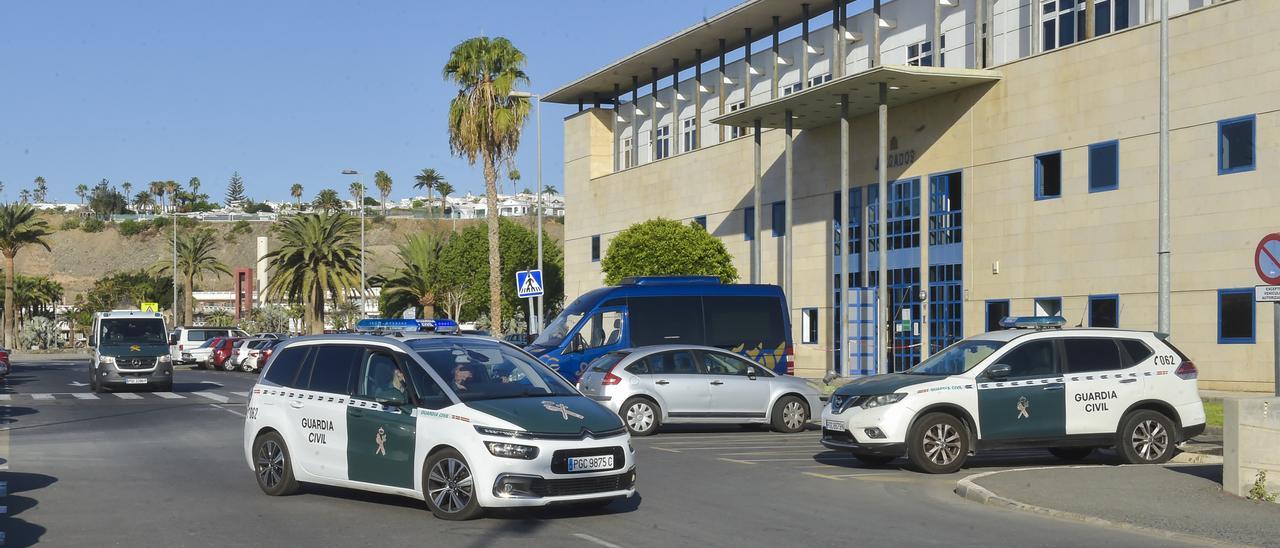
(161,223)
(241,227)
(130,227)
(38,332)
(71,224)
(93,224)
(188,222)
(255,207)
(663,247)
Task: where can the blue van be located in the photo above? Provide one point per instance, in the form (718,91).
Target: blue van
(751,320)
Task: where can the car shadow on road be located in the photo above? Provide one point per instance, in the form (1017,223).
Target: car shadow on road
(17,531)
(1211,472)
(988,459)
(9,414)
(622,506)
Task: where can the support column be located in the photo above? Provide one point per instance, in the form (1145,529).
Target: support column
(746,72)
(882,213)
(653,115)
(804,47)
(788,243)
(837,38)
(1089,21)
(845,227)
(937,32)
(720,89)
(676,138)
(979,56)
(875,39)
(773,84)
(697,99)
(635,121)
(755,223)
(926,185)
(1036,14)
(617,91)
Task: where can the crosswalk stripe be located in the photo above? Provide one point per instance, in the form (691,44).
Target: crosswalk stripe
(4,397)
(85,396)
(128,396)
(213,396)
(169,395)
(42,396)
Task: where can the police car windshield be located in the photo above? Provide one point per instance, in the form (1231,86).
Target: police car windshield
(483,370)
(957,358)
(133,331)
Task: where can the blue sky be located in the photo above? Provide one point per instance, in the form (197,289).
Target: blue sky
(281,91)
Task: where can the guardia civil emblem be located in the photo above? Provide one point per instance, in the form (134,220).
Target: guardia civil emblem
(381,439)
(560,408)
(1024,406)
(135,348)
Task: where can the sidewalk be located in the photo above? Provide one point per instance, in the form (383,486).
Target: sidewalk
(1178,502)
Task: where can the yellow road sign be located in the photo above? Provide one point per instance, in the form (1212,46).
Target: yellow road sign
(150,307)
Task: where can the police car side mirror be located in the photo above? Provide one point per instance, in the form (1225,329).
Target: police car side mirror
(391,397)
(999,371)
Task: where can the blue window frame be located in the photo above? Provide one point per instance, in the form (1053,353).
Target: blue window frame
(749,223)
(944,209)
(1104,166)
(1048,175)
(808,326)
(701,220)
(903,222)
(946,305)
(779,219)
(595,248)
(1047,306)
(1104,311)
(873,219)
(1237,144)
(997,309)
(1236,316)
(854,219)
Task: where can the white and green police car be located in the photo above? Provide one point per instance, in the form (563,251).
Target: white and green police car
(1068,390)
(464,423)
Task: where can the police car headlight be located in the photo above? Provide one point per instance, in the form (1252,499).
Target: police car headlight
(107,360)
(511,450)
(500,432)
(163,359)
(882,400)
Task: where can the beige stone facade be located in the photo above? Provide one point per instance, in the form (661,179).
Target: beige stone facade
(1223,66)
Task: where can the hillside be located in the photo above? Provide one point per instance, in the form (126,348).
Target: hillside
(78,258)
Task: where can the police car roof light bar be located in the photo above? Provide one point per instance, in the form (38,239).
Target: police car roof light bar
(1033,322)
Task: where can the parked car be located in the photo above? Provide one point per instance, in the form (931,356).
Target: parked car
(653,385)
(185,338)
(246,354)
(518,339)
(221,356)
(5,366)
(200,355)
(270,336)
(651,310)
(257,358)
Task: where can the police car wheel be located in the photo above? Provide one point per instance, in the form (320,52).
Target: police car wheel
(641,416)
(272,467)
(1146,438)
(1071,453)
(790,415)
(449,487)
(938,444)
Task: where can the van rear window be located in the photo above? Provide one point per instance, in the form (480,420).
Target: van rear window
(666,320)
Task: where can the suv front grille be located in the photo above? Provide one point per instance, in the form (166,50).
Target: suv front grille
(135,363)
(582,486)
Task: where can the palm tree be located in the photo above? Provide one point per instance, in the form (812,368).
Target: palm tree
(195,259)
(484,123)
(194,185)
(428,179)
(358,193)
(318,259)
(157,189)
(383,182)
(296,192)
(82,190)
(20,226)
(328,200)
(41,189)
(24,195)
(171,188)
(550,189)
(444,189)
(143,200)
(513,176)
(127,186)
(411,284)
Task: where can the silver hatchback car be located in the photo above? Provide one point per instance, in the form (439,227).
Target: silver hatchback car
(652,385)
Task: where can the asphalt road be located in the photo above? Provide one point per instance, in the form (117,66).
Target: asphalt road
(141,469)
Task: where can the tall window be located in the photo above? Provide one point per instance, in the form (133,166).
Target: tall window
(1049,175)
(1236,144)
(626,153)
(1064,22)
(1235,316)
(779,219)
(1104,311)
(921,54)
(701,220)
(820,79)
(944,209)
(735,131)
(595,248)
(809,326)
(688,134)
(1104,166)
(749,223)
(903,211)
(854,220)
(662,142)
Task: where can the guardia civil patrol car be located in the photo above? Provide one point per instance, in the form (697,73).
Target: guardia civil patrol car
(1037,385)
(464,423)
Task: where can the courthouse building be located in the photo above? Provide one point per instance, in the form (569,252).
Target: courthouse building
(1021,151)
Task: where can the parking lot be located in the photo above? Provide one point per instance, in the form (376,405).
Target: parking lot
(169,470)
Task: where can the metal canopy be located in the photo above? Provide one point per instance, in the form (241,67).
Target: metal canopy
(706,35)
(820,105)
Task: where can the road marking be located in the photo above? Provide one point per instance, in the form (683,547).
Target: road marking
(241,394)
(42,396)
(217,384)
(667,450)
(85,396)
(213,396)
(5,397)
(128,396)
(815,457)
(754,453)
(732,447)
(823,476)
(736,461)
(763,438)
(236,413)
(169,395)
(596,541)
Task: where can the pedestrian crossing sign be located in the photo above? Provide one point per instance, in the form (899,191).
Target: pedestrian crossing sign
(529,283)
(150,307)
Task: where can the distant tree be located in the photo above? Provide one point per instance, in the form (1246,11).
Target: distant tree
(143,200)
(24,195)
(327,200)
(194,185)
(513,176)
(296,192)
(105,201)
(550,189)
(461,266)
(157,190)
(412,283)
(40,190)
(318,259)
(128,290)
(82,190)
(235,190)
(20,226)
(358,193)
(195,259)
(663,247)
(383,182)
(444,189)
(428,179)
(526,190)
(127,188)
(174,191)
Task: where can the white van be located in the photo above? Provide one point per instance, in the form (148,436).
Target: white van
(186,338)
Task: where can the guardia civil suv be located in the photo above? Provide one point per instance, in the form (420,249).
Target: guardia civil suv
(1068,390)
(464,423)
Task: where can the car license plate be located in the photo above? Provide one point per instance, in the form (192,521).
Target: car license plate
(833,425)
(585,464)
(135,381)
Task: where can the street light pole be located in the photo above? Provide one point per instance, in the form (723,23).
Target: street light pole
(360,203)
(1163,283)
(175,269)
(538,200)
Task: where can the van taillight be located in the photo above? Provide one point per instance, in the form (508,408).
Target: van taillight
(791,360)
(1186,370)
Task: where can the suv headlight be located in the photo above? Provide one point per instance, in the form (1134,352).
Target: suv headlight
(881,400)
(511,450)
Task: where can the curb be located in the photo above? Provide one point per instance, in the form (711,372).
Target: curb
(968,489)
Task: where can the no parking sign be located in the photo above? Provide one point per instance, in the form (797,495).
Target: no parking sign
(1266,259)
